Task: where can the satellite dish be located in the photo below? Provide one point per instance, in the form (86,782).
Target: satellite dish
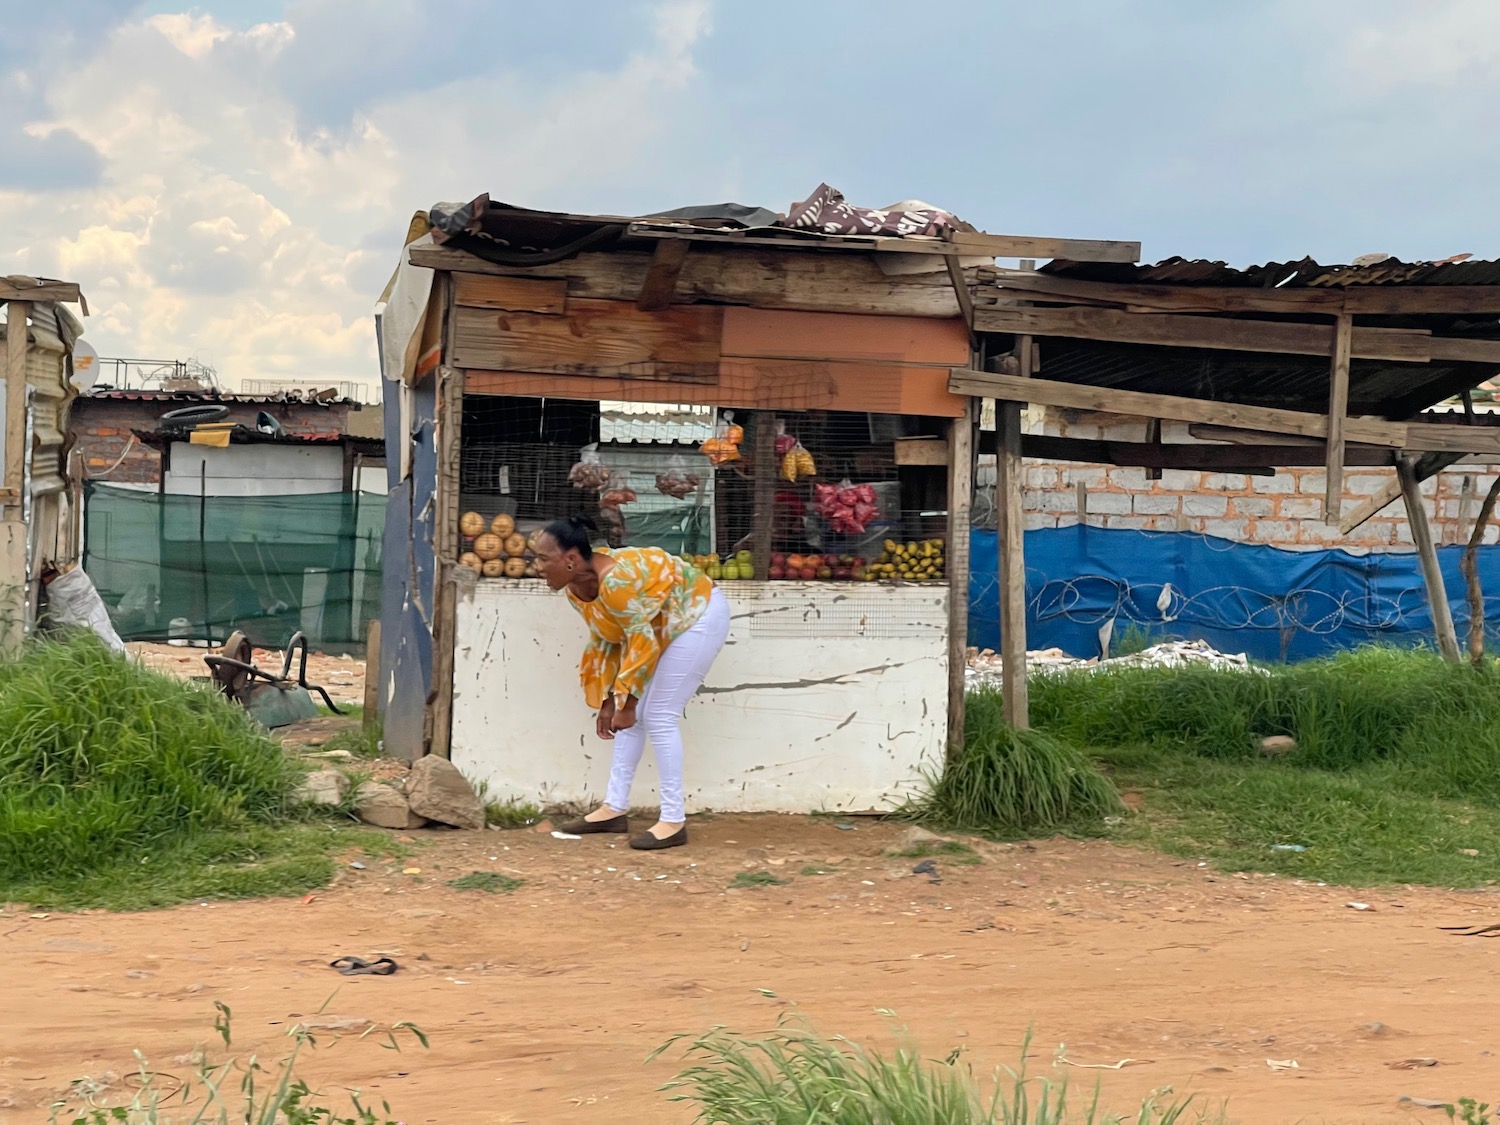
(85,365)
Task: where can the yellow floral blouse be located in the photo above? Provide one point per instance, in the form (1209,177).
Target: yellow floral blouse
(646,600)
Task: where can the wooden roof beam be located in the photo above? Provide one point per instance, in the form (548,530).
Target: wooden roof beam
(1370,300)
(961,244)
(1079,396)
(1256,459)
(1221,333)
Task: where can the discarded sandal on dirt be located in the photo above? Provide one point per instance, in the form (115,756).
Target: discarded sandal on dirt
(581,827)
(359,967)
(646,842)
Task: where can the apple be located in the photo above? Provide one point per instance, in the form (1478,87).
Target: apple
(841,573)
(824,572)
(859,562)
(813,561)
(808,573)
(795,562)
(777,572)
(778,559)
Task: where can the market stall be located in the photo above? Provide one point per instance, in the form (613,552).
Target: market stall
(827,486)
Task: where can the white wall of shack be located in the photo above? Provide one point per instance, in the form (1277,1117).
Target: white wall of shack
(825,697)
(255,470)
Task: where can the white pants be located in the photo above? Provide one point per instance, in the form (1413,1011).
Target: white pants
(679,670)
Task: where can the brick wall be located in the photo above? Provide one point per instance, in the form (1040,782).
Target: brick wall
(1285,510)
(101,430)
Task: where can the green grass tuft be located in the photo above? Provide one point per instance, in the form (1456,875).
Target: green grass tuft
(491,882)
(747,879)
(1009,782)
(102,760)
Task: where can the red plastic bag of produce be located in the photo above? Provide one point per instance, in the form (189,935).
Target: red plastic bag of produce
(848,508)
(590,474)
(676,481)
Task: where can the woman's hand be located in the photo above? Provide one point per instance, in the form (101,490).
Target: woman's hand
(624,717)
(604,723)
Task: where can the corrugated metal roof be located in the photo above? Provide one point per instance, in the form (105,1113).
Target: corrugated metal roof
(621,427)
(292,397)
(1304,274)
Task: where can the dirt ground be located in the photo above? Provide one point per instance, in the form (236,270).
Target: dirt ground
(542,1004)
(342,675)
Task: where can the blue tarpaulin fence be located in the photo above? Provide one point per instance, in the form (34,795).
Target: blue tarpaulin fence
(1266,602)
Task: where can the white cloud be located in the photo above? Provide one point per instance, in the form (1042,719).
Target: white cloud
(223,226)
(1438,42)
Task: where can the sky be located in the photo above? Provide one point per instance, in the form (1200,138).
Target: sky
(231,181)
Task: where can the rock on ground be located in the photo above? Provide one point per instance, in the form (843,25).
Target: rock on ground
(321,787)
(384,807)
(435,789)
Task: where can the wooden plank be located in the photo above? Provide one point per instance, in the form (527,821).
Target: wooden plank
(766,476)
(980,243)
(1453,350)
(597,338)
(876,388)
(1077,396)
(1421,534)
(753,384)
(921,451)
(371,717)
(1434,438)
(64,291)
(1402,345)
(1338,410)
(1153,437)
(961,290)
(966,244)
(15,396)
(751,276)
(662,274)
(1247,437)
(1255,459)
(1382,300)
(778,334)
(512,294)
(960,444)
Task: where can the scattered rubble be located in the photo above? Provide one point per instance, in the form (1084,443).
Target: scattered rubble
(985,664)
(384,807)
(436,790)
(321,787)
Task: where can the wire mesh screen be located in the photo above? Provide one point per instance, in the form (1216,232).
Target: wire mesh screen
(808,495)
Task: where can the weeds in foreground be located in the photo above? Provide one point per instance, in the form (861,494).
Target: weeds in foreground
(239,1091)
(750,879)
(360,740)
(796,1077)
(491,882)
(510,813)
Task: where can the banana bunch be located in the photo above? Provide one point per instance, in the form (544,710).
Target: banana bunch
(915,561)
(797,462)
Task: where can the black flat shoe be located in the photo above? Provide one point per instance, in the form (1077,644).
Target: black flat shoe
(646,842)
(616,824)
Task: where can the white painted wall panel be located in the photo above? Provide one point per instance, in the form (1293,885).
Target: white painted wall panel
(826,697)
(255,470)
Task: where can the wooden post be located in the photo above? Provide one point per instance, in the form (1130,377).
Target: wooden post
(15,402)
(372,675)
(1011,526)
(450,408)
(765,466)
(12,479)
(1421,534)
(961,446)
(1338,409)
